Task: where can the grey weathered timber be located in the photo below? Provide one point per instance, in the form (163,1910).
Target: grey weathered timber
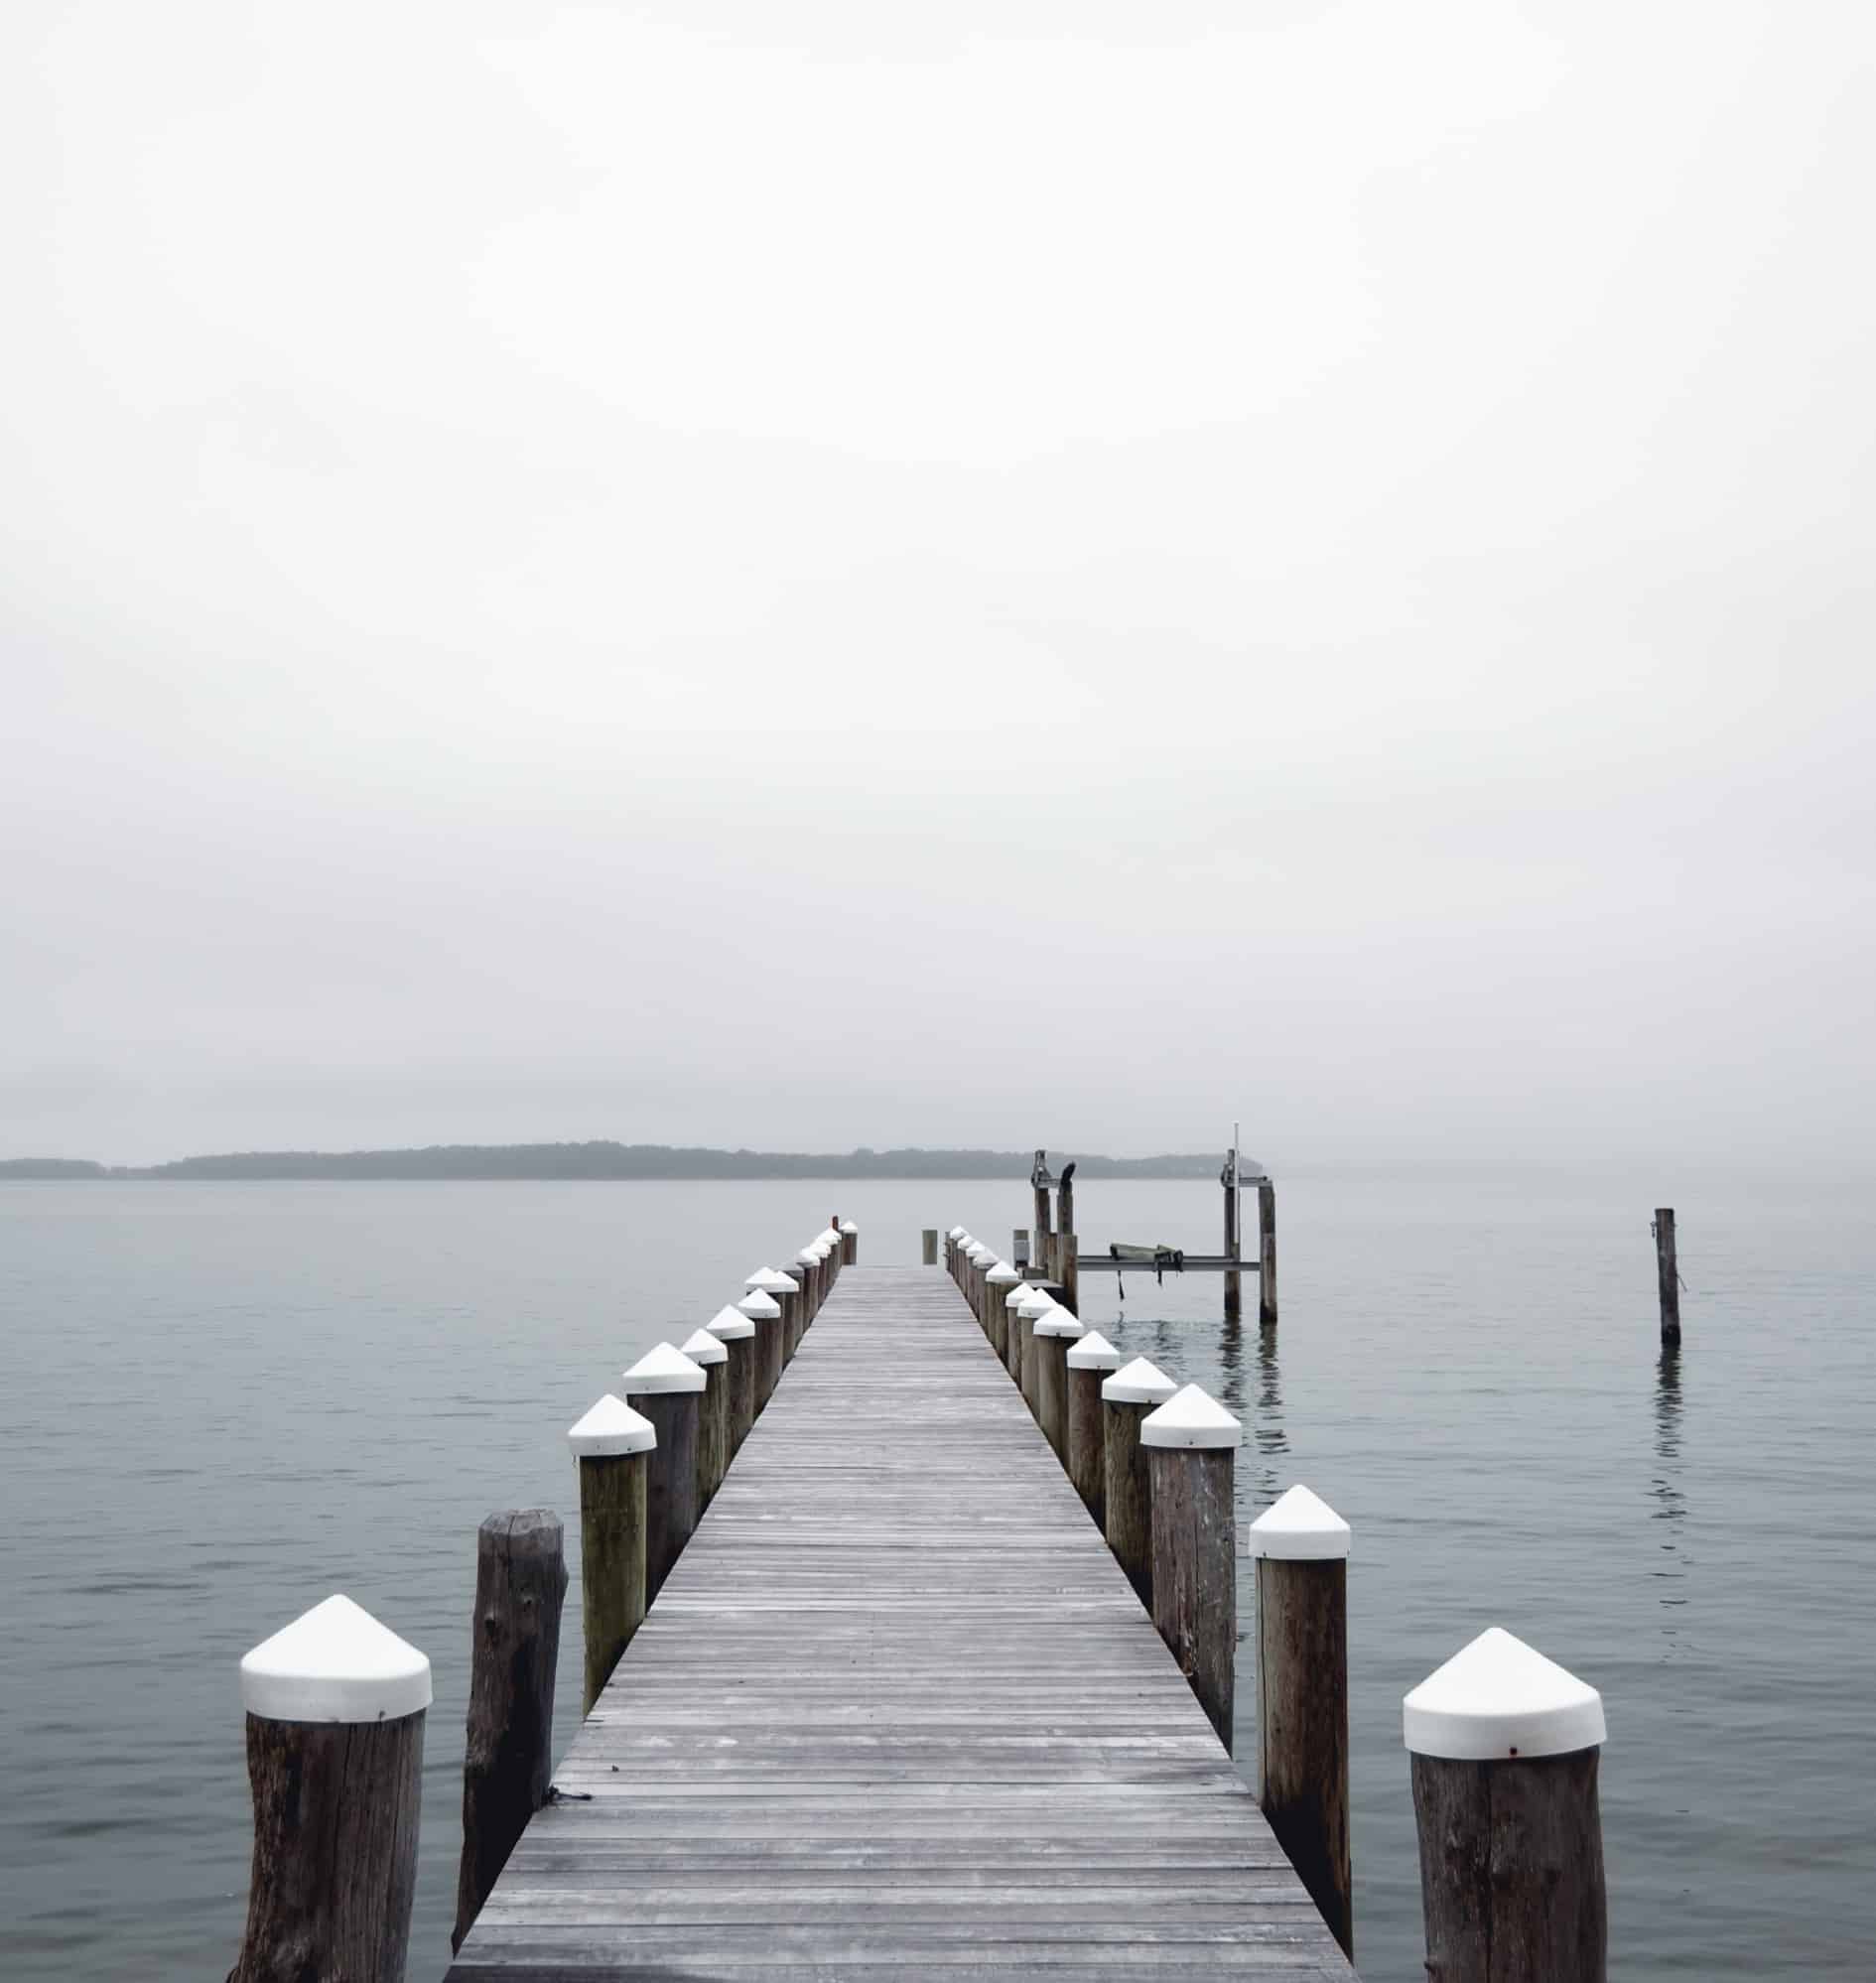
(794,1323)
(613,1499)
(743,1351)
(1128,1512)
(1302,1726)
(1061,1259)
(1087,1444)
(771,1352)
(712,1432)
(1668,1275)
(1043,1254)
(1234,1281)
(1049,1358)
(1267,1253)
(1511,1869)
(1068,1269)
(671,1479)
(896,1714)
(1195,1572)
(928,1246)
(850,1248)
(520,1581)
(1016,1345)
(335,1868)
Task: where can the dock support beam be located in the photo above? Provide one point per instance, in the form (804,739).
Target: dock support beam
(1301,1550)
(1505,1750)
(520,1582)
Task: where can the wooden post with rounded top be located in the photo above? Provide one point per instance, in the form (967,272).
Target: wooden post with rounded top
(928,1246)
(669,1389)
(711,1356)
(766,1312)
(1052,1331)
(1090,1361)
(335,1758)
(612,1447)
(999,1279)
(850,1244)
(736,1333)
(1506,1749)
(1126,1399)
(1300,1546)
(509,1756)
(1267,1253)
(1667,1274)
(1191,1448)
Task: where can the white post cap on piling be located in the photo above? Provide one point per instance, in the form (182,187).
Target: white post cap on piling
(1024,1292)
(1002,1275)
(1499,1698)
(1191,1418)
(807,1257)
(1138,1382)
(1030,1301)
(611,1427)
(1299,1527)
(1055,1320)
(1094,1353)
(703,1348)
(664,1367)
(955,1232)
(772,1282)
(761,1307)
(848,1226)
(731,1325)
(334,1662)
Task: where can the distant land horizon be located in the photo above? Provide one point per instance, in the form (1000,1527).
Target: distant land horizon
(612,1161)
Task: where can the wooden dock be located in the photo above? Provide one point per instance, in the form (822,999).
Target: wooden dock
(896,1710)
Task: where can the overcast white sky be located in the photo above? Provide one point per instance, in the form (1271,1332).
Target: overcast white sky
(826,574)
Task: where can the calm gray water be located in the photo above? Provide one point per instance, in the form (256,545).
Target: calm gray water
(224,1400)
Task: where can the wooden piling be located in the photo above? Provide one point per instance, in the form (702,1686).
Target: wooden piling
(1068,1268)
(711,1356)
(508,1758)
(1020,1249)
(668,1388)
(1090,1361)
(612,1447)
(850,1242)
(335,1708)
(1062,1247)
(1300,1546)
(1052,1333)
(1234,1281)
(1042,1255)
(1126,1399)
(1191,1449)
(998,1283)
(785,1290)
(807,1269)
(1267,1253)
(736,1333)
(1668,1275)
(1505,1751)
(770,1347)
(928,1246)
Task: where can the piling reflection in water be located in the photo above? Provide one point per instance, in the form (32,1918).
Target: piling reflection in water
(1267,1427)
(1231,1367)
(1671,1502)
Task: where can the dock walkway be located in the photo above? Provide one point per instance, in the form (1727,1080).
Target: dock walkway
(896,1710)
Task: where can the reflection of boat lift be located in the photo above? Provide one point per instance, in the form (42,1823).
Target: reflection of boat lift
(1162,1261)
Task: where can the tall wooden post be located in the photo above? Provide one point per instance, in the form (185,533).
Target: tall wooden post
(807,1269)
(736,1333)
(1267,1253)
(1668,1275)
(1052,1333)
(956,1240)
(850,1242)
(334,1757)
(1043,1254)
(928,1246)
(1301,1550)
(1020,1249)
(612,1447)
(508,1758)
(669,1389)
(770,1349)
(1126,1399)
(1234,1284)
(1505,1748)
(712,1357)
(1020,1313)
(1090,1361)
(999,1279)
(786,1291)
(1191,1448)
(1061,1264)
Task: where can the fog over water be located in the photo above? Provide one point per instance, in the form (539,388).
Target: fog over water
(826,575)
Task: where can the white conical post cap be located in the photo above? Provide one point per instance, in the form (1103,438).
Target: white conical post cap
(1138,1382)
(334,1662)
(772,1282)
(703,1348)
(761,1307)
(848,1226)
(1057,1321)
(1094,1353)
(731,1325)
(663,1367)
(1018,1295)
(1030,1301)
(807,1257)
(979,1252)
(955,1232)
(1499,1698)
(1299,1527)
(1002,1275)
(611,1427)
(1192,1418)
